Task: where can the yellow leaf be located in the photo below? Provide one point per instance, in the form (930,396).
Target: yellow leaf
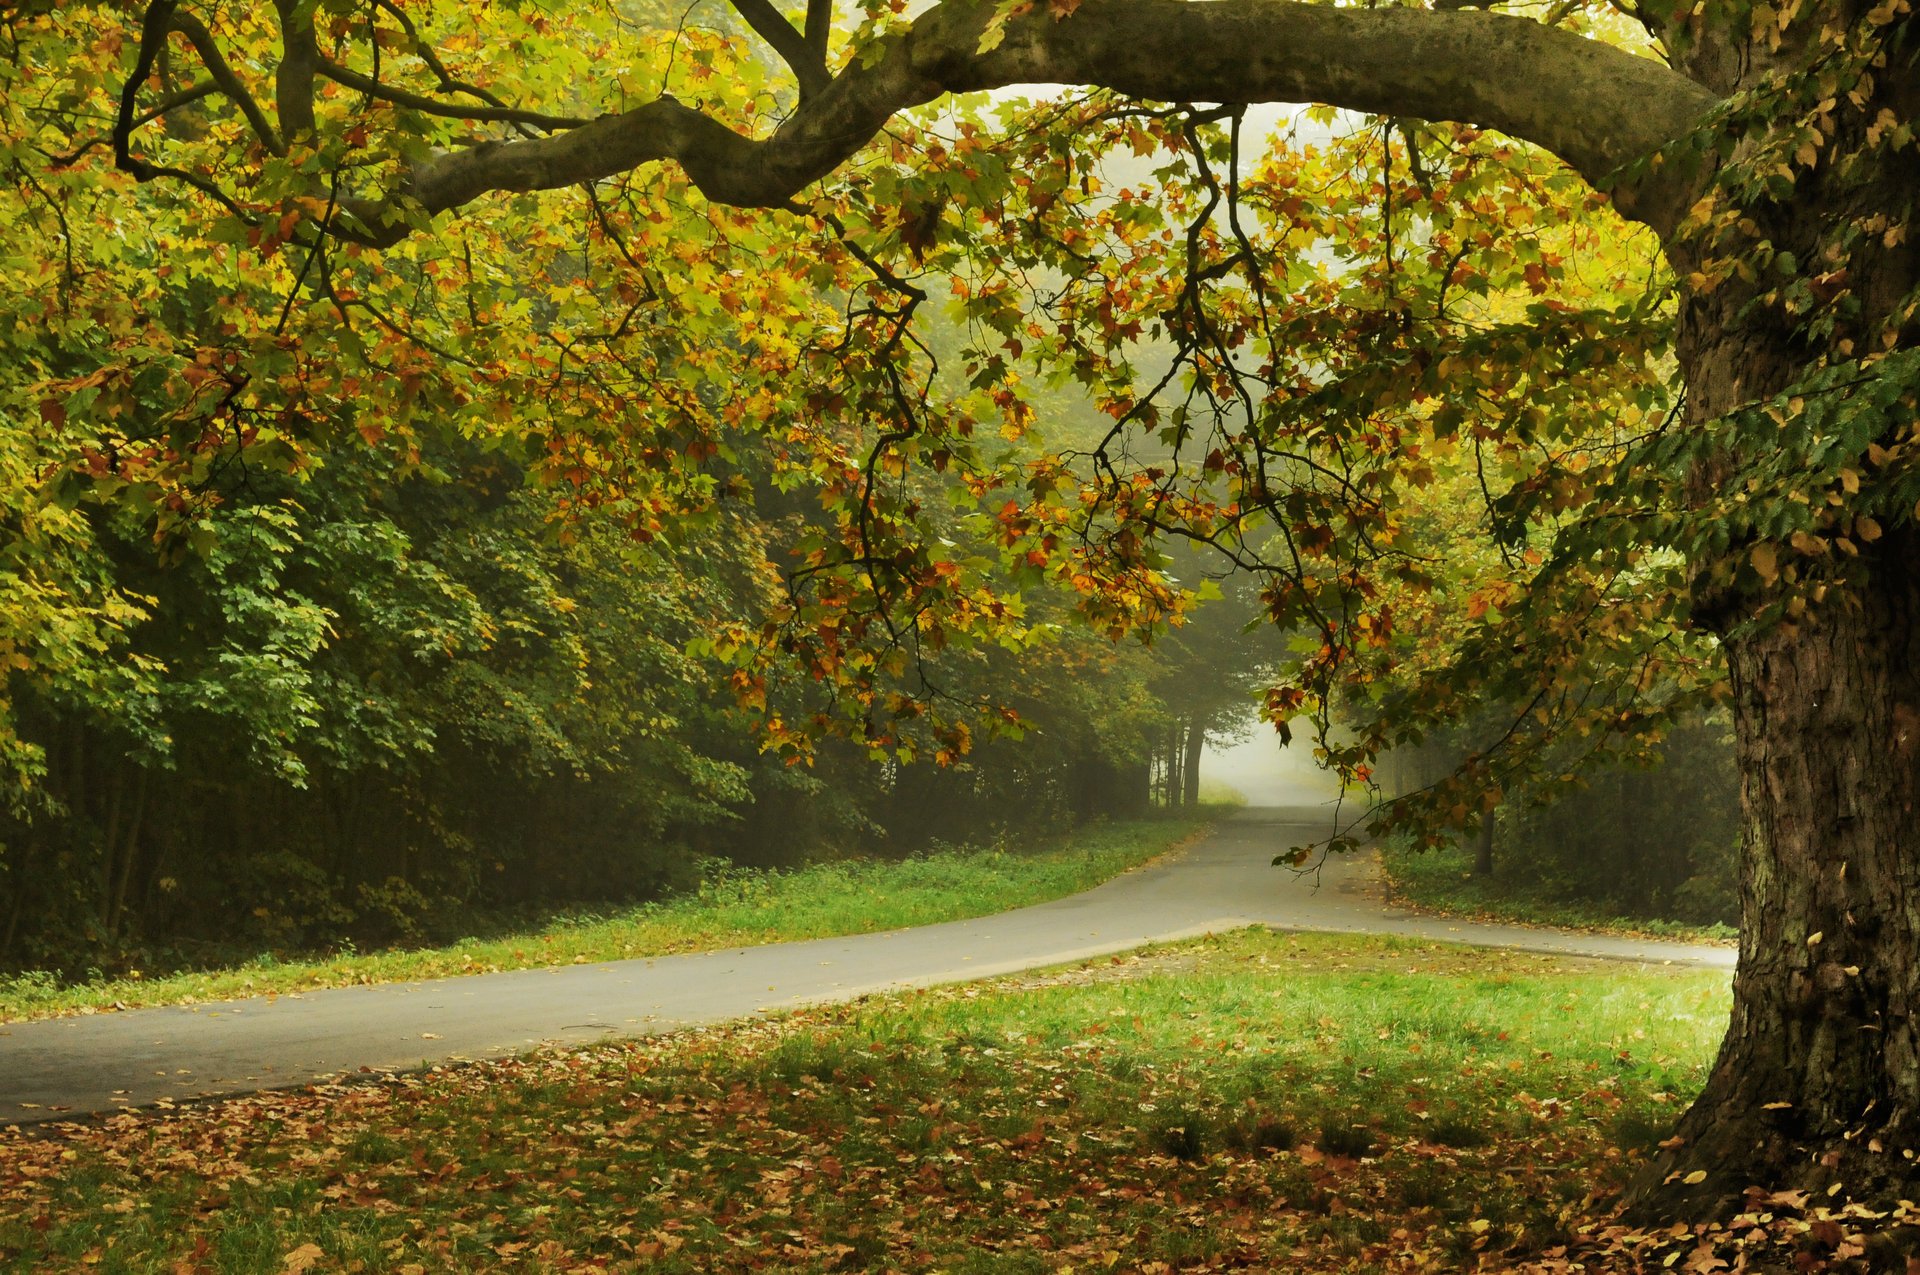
(301,1259)
(1766,561)
(1695,1178)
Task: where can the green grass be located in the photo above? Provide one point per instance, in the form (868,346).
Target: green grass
(1254,1101)
(1215,793)
(735,909)
(1442,881)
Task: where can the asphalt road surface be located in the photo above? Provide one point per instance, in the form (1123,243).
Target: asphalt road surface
(61,1068)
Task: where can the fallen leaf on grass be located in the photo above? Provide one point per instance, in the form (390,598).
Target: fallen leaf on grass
(301,1259)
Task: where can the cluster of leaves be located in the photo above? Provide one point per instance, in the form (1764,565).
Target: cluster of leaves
(658,337)
(1388,372)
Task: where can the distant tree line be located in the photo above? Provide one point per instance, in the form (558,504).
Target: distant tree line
(1652,835)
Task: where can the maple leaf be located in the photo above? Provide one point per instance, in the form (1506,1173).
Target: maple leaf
(301,1259)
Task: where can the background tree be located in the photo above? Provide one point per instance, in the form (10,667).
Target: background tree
(1210,671)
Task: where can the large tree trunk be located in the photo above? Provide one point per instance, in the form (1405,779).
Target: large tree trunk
(1818,1080)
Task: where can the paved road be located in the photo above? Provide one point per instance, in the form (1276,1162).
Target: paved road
(61,1067)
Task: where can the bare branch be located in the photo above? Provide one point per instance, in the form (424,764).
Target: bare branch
(154,25)
(224,75)
(1595,106)
(434,106)
(795,49)
(425,52)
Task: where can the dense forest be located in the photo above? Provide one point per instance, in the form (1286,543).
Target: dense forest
(373,705)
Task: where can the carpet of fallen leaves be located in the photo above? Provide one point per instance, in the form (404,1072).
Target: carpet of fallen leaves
(1067,1124)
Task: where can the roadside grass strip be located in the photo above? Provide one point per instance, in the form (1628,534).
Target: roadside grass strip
(737,908)
(1253,1101)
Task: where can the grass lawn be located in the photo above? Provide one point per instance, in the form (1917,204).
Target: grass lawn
(1255,1101)
(737,910)
(1442,881)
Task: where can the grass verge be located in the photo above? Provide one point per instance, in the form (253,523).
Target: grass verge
(1442,881)
(736,909)
(1254,1101)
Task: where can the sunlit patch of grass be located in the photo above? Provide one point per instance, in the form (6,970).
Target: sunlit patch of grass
(1263,1101)
(1217,792)
(736,909)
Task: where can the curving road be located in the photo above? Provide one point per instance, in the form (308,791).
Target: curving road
(60,1068)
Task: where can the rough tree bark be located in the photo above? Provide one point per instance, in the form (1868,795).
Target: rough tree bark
(1820,1075)
(1818,1080)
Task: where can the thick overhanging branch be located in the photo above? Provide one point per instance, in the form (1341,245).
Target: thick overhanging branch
(1596,107)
